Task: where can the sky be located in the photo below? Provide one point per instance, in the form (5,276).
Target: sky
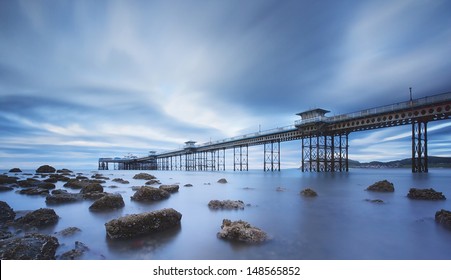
(81,80)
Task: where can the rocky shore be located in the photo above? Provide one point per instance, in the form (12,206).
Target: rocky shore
(24,234)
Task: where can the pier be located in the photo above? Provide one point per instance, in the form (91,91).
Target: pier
(323,140)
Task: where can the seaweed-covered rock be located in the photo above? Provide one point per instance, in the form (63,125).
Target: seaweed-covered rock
(226,204)
(144,176)
(222,181)
(382,186)
(5,179)
(425,194)
(75,254)
(108,202)
(39,218)
(46,169)
(34,191)
(6,212)
(443,217)
(170,188)
(32,246)
(241,231)
(308,193)
(5,188)
(146,193)
(15,170)
(68,231)
(120,180)
(62,197)
(82,183)
(90,188)
(142,224)
(153,182)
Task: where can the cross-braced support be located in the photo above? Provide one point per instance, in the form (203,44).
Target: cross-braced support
(271,157)
(221,159)
(240,155)
(419,147)
(325,153)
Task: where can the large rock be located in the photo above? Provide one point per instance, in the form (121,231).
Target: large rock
(170,188)
(308,193)
(120,180)
(82,183)
(108,202)
(15,170)
(382,186)
(4,179)
(32,246)
(39,218)
(443,217)
(91,188)
(46,169)
(6,212)
(146,193)
(4,188)
(425,194)
(241,231)
(144,176)
(34,191)
(142,224)
(226,204)
(62,197)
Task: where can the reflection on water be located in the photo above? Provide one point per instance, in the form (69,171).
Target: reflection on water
(340,223)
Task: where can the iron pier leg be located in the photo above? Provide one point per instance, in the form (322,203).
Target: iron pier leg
(419,147)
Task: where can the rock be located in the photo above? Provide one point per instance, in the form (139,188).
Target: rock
(222,181)
(99,176)
(15,170)
(308,193)
(144,176)
(51,180)
(142,224)
(64,170)
(241,231)
(39,218)
(6,212)
(32,246)
(34,191)
(226,204)
(120,180)
(280,189)
(188,185)
(4,179)
(46,169)
(150,194)
(382,186)
(425,194)
(93,195)
(153,182)
(108,202)
(81,183)
(69,231)
(170,188)
(61,197)
(91,188)
(5,188)
(76,253)
(443,217)
(374,200)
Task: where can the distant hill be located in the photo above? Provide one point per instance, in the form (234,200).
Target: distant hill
(437,162)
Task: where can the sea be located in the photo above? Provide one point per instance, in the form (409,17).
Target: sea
(341,223)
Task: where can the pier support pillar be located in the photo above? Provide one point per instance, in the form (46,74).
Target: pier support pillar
(325,153)
(419,147)
(221,159)
(271,157)
(240,155)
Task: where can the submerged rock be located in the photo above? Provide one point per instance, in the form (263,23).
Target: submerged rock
(68,231)
(443,217)
(374,200)
(146,193)
(425,194)
(241,231)
(308,193)
(382,186)
(120,180)
(226,204)
(61,197)
(6,212)
(144,176)
(83,183)
(46,169)
(188,185)
(32,246)
(142,224)
(34,191)
(222,181)
(75,254)
(170,188)
(153,182)
(108,202)
(4,179)
(39,218)
(91,188)
(5,188)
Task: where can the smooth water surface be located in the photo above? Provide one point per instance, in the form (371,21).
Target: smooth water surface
(337,224)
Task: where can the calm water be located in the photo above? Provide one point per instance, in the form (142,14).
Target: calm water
(338,224)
